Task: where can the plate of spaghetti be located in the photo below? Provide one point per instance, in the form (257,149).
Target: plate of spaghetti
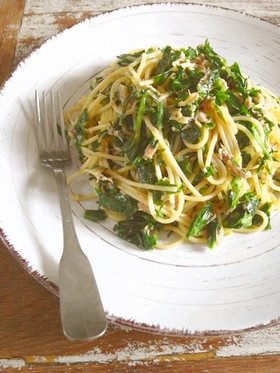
(175,184)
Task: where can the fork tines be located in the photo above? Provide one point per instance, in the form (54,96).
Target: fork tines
(50,128)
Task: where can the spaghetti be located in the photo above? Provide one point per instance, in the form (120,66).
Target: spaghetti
(181,142)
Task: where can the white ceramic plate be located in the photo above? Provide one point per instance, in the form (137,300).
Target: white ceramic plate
(189,289)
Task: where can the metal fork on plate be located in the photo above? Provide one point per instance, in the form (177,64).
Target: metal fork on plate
(81,309)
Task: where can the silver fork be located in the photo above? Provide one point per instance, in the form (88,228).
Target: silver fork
(81,309)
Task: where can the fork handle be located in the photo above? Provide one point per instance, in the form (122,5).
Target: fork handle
(69,232)
(81,309)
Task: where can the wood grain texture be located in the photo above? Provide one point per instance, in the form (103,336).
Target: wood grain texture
(10,20)
(30,333)
(260,364)
(43,19)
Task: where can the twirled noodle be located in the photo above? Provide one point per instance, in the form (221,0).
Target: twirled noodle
(181,142)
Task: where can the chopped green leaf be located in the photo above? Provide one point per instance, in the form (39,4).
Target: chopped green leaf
(234,192)
(201,219)
(126,58)
(95,215)
(115,201)
(257,137)
(160,78)
(211,55)
(94,146)
(246,157)
(185,165)
(141,230)
(79,133)
(185,80)
(257,220)
(168,56)
(236,79)
(213,229)
(254,92)
(131,146)
(235,103)
(198,178)
(146,172)
(242,139)
(192,134)
(242,216)
(160,114)
(210,171)
(190,53)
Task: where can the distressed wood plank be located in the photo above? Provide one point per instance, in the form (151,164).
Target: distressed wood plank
(258,364)
(37,7)
(30,332)
(44,19)
(11,12)
(36,29)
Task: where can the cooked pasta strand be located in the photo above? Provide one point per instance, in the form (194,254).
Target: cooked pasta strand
(180,142)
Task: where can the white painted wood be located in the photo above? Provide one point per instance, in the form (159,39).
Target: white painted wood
(43,19)
(50,6)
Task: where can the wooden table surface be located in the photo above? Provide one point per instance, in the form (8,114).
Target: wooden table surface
(30,333)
